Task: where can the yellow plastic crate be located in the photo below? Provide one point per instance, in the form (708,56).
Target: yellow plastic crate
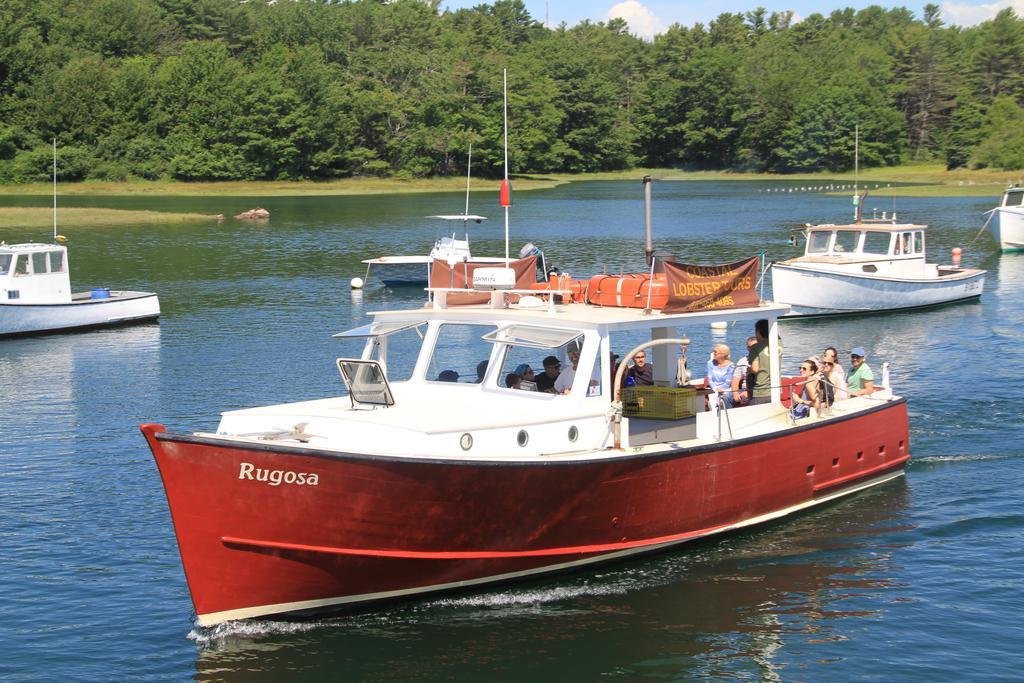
(659,403)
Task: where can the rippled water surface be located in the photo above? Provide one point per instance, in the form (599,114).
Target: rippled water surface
(916,580)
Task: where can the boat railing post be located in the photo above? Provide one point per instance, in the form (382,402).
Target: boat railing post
(775,360)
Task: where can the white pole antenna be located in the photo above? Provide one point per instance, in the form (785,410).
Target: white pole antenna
(55,189)
(505,111)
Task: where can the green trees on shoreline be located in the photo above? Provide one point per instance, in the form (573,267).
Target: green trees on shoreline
(228,90)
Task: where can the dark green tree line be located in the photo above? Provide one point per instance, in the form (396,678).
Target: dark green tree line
(315,89)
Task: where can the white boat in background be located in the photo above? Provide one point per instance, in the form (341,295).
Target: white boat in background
(400,271)
(868,266)
(1007,222)
(36,296)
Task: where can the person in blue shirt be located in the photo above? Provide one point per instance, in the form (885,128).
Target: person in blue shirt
(720,373)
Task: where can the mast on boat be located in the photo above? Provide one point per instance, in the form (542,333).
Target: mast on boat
(55,189)
(505,198)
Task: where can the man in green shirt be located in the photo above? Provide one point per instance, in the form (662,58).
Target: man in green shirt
(760,366)
(860,381)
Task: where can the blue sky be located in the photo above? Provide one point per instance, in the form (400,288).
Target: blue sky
(649,17)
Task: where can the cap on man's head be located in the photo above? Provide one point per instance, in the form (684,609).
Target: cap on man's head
(551,360)
(858,351)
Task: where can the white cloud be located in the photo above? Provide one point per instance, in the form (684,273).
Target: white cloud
(964,14)
(642,21)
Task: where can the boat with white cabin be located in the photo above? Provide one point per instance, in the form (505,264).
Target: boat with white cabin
(414,270)
(868,266)
(440,470)
(425,479)
(36,296)
(1006,225)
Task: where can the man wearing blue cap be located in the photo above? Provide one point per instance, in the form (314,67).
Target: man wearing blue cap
(860,381)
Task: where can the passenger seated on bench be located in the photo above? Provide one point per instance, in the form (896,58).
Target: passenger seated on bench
(720,373)
(513,380)
(808,395)
(860,381)
(566,377)
(546,380)
(640,374)
(448,376)
(526,373)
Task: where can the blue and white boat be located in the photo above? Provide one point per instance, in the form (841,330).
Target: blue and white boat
(414,271)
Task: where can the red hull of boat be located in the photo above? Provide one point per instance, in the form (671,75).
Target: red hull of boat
(373,528)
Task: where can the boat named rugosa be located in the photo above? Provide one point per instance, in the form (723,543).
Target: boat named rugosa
(446,468)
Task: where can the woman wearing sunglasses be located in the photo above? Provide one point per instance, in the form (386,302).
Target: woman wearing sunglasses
(808,395)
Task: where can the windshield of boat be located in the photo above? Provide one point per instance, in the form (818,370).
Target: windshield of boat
(5,263)
(459,354)
(56,261)
(1014,198)
(876,243)
(846,241)
(817,242)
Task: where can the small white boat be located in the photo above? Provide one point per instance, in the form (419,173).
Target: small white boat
(868,266)
(1007,223)
(36,297)
(401,271)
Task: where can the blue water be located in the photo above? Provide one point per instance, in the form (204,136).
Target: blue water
(916,580)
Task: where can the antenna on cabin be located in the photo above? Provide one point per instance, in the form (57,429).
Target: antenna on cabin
(505,197)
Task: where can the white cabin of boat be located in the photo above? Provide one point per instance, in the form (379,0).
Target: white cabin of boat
(1013,197)
(434,404)
(34,273)
(872,247)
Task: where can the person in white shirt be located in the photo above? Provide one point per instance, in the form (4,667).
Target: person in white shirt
(565,378)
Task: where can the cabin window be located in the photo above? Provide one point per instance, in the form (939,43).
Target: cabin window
(402,349)
(56,261)
(21,264)
(907,241)
(846,241)
(459,353)
(919,242)
(817,242)
(527,364)
(401,340)
(5,263)
(876,243)
(39,262)
(1014,198)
